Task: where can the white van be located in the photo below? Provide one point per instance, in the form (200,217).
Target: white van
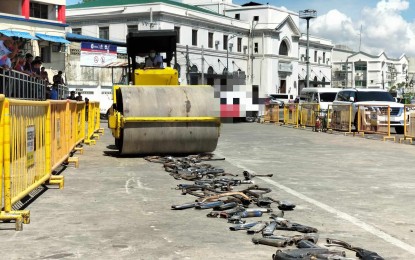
(322,96)
(281,99)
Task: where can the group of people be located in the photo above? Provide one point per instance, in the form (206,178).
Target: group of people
(73,97)
(12,58)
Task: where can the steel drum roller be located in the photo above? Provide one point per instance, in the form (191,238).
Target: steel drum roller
(161,136)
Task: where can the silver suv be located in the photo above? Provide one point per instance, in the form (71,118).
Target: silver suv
(376,97)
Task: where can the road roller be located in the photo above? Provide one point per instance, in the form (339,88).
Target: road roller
(156,115)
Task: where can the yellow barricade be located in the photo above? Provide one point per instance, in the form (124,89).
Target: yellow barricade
(80,119)
(91,123)
(291,114)
(60,130)
(2,98)
(340,117)
(308,114)
(71,116)
(272,113)
(26,154)
(409,126)
(374,119)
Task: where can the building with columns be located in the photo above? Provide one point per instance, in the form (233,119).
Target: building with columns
(362,70)
(220,43)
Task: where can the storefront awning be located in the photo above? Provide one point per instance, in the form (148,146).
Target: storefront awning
(19,34)
(51,38)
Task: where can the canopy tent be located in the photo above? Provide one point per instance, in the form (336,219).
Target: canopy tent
(13,33)
(52,38)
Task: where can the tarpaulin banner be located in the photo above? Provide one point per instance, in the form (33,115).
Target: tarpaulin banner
(97,54)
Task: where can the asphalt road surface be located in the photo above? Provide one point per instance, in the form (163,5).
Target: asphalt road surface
(356,189)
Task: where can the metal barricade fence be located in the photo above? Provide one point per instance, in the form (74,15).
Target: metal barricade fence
(308,114)
(340,117)
(409,125)
(71,116)
(291,114)
(80,119)
(374,119)
(272,113)
(63,91)
(90,130)
(2,99)
(15,84)
(26,154)
(59,133)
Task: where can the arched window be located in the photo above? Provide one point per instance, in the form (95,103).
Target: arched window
(210,70)
(194,78)
(283,48)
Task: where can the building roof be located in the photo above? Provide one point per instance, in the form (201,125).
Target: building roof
(251,4)
(101,3)
(83,38)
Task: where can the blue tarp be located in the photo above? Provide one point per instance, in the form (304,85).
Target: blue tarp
(51,38)
(20,34)
(83,38)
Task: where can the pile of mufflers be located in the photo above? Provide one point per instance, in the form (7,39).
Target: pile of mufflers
(223,194)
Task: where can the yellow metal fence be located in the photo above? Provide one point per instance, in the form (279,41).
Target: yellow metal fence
(409,126)
(291,114)
(374,119)
(35,138)
(272,113)
(308,114)
(340,117)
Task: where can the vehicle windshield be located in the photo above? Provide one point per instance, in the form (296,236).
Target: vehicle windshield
(273,96)
(327,97)
(374,96)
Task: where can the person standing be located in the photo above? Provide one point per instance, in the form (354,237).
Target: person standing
(28,65)
(58,79)
(79,97)
(72,96)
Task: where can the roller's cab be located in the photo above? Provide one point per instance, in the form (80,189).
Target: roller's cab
(139,45)
(151,102)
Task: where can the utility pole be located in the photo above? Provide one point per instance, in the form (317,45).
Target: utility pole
(203,66)
(187,65)
(347,72)
(307,15)
(360,40)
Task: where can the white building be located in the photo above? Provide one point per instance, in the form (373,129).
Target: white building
(255,45)
(320,53)
(40,26)
(362,70)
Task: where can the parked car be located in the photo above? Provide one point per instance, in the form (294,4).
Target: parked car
(369,97)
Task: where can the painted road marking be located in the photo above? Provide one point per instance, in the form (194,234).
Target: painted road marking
(355,221)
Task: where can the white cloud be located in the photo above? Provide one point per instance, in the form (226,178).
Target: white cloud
(397,5)
(383,29)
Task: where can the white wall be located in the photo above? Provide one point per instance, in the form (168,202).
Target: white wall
(91,30)
(118,32)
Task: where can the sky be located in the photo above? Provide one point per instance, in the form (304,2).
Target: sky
(380,25)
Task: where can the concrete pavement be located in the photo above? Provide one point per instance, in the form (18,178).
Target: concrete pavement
(350,188)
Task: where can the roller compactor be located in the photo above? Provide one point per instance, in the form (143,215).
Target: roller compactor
(154,114)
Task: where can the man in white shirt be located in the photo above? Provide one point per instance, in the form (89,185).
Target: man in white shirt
(154,60)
